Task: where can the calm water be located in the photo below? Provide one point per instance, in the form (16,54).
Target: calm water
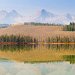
(55,68)
(14,67)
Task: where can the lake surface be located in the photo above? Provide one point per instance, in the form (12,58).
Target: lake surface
(37,60)
(55,68)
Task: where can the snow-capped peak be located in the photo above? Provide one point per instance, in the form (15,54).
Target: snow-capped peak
(13,13)
(48,17)
(43,16)
(68,16)
(46,14)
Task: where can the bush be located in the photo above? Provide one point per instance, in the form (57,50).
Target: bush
(70,27)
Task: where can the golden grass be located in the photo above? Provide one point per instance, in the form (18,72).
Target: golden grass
(39,54)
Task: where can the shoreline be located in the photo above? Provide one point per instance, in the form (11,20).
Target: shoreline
(24,43)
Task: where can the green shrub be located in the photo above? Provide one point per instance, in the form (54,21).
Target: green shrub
(70,27)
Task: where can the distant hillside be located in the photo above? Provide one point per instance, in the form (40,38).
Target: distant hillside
(40,32)
(4,25)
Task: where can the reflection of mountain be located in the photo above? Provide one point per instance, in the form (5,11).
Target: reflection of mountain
(43,17)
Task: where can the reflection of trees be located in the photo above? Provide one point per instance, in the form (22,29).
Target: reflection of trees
(70,58)
(17,47)
(61,46)
(33,46)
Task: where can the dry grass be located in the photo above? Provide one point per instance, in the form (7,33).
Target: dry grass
(40,32)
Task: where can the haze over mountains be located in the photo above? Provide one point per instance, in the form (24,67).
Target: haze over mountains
(48,17)
(9,17)
(44,16)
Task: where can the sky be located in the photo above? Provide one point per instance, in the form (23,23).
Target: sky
(31,7)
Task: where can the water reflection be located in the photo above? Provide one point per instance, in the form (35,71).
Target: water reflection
(61,46)
(17,47)
(70,58)
(35,46)
(38,53)
(15,68)
(60,62)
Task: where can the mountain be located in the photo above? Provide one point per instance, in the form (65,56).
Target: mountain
(13,13)
(3,13)
(44,16)
(12,17)
(68,16)
(9,17)
(48,17)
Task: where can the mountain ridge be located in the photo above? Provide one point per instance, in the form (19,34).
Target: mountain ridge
(44,16)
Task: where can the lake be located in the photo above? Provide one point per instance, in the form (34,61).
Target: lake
(37,59)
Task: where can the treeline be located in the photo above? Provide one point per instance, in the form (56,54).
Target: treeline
(18,39)
(27,39)
(4,25)
(70,27)
(59,39)
(41,24)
